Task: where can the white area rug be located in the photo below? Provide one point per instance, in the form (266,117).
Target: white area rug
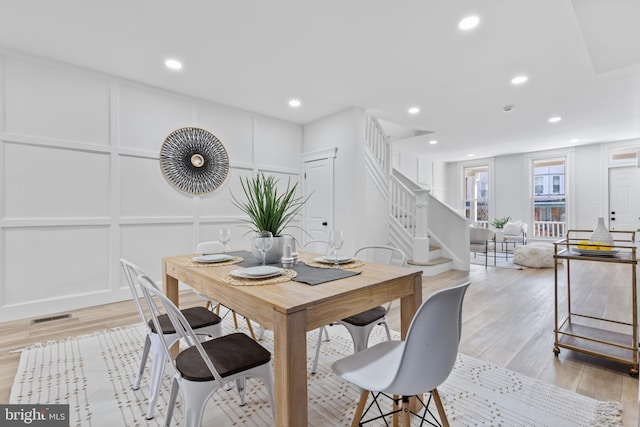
(501,262)
(94,374)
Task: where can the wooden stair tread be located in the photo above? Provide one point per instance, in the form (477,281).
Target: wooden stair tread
(436,261)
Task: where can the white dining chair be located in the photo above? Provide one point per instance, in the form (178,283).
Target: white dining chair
(316,246)
(361,325)
(205,322)
(203,367)
(409,368)
(215,247)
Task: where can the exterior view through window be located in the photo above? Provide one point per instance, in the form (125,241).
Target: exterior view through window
(549,198)
(476,194)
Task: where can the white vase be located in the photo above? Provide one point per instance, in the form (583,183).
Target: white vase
(601,234)
(273,255)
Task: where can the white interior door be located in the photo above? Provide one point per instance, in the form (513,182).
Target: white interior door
(624,198)
(319,208)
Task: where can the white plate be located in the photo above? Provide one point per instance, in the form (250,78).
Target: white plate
(260,272)
(332,260)
(211,258)
(591,252)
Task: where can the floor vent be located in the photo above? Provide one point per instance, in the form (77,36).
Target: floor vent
(49,319)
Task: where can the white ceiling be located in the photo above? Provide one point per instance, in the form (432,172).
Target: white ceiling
(582,59)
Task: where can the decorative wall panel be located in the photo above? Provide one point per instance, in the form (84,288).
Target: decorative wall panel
(48,264)
(146,117)
(277,144)
(233,127)
(81,185)
(145,193)
(145,245)
(56,102)
(49,182)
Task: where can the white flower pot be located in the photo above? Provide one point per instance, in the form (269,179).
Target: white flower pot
(274,254)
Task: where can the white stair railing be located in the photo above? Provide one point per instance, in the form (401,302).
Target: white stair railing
(378,143)
(411,206)
(409,211)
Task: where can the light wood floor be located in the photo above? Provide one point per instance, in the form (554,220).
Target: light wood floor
(508,319)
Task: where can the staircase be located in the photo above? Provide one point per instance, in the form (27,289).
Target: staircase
(411,211)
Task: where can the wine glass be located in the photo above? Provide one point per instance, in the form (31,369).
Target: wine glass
(263,241)
(335,242)
(224,235)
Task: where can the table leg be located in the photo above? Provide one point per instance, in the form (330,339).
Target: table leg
(170,286)
(409,305)
(290,368)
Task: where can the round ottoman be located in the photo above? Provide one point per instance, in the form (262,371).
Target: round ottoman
(535,254)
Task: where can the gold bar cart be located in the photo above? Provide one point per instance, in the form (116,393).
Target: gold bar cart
(597,336)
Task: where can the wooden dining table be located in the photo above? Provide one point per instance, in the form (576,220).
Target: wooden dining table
(291,309)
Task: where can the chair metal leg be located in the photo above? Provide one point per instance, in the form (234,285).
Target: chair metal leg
(360,408)
(157,371)
(438,402)
(175,386)
(240,387)
(323,329)
(143,362)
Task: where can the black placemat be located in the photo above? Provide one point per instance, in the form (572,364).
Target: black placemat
(315,276)
(306,274)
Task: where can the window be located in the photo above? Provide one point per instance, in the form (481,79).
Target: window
(539,185)
(476,194)
(549,198)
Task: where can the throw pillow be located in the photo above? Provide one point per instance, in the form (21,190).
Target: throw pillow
(512,228)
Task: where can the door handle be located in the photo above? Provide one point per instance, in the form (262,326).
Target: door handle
(324,223)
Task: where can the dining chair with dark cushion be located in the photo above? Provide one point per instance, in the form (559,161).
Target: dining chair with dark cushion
(361,325)
(201,368)
(205,322)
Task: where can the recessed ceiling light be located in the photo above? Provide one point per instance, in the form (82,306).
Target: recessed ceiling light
(555,119)
(433,142)
(519,80)
(173,64)
(414,110)
(295,103)
(574,140)
(469,23)
(470,155)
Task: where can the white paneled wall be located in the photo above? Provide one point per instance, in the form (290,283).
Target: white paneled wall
(81,186)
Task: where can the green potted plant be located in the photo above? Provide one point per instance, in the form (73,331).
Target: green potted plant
(499,223)
(269,209)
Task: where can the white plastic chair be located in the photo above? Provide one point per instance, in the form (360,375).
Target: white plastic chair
(199,318)
(215,247)
(409,368)
(360,325)
(203,368)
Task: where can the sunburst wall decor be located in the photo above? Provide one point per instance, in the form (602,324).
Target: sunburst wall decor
(193,160)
